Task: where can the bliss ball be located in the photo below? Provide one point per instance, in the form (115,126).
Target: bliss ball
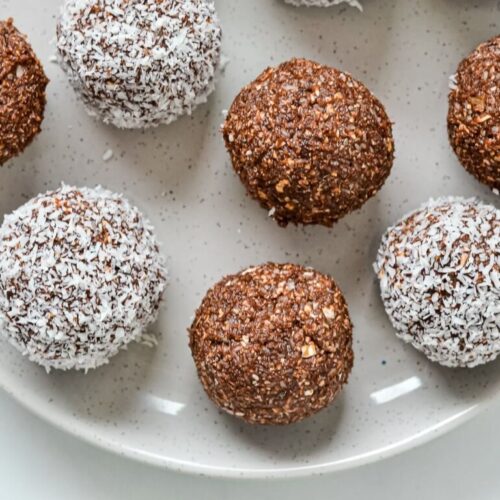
(140,64)
(273,344)
(439,271)
(323,3)
(474,113)
(80,277)
(309,142)
(22,92)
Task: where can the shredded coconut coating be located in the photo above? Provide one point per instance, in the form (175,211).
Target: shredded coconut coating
(140,64)
(81,276)
(439,271)
(474,113)
(273,344)
(323,3)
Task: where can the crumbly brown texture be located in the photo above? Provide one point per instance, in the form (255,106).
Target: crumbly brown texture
(474,113)
(273,344)
(309,142)
(22,92)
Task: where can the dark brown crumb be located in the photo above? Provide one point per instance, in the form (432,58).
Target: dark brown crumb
(309,142)
(22,92)
(273,344)
(474,113)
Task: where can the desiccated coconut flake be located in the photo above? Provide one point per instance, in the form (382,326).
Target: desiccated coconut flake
(108,154)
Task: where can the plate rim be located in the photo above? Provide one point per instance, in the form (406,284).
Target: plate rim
(66,424)
(83,431)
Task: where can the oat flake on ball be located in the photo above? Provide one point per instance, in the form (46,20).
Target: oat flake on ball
(323,3)
(439,271)
(309,142)
(139,64)
(273,344)
(81,276)
(474,113)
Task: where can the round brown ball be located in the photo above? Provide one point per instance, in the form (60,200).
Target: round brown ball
(273,344)
(22,92)
(474,113)
(309,142)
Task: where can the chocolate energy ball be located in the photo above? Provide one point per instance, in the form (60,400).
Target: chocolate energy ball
(273,344)
(140,64)
(22,92)
(309,142)
(323,3)
(439,271)
(80,277)
(474,113)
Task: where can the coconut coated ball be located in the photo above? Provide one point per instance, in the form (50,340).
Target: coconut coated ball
(309,142)
(474,113)
(140,64)
(439,271)
(81,276)
(273,344)
(22,92)
(323,3)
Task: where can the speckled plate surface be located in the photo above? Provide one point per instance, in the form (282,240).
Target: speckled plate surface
(147,403)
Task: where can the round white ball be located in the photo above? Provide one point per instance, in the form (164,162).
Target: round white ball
(81,276)
(140,64)
(439,271)
(323,3)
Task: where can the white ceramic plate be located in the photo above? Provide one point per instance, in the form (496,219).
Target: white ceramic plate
(147,403)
